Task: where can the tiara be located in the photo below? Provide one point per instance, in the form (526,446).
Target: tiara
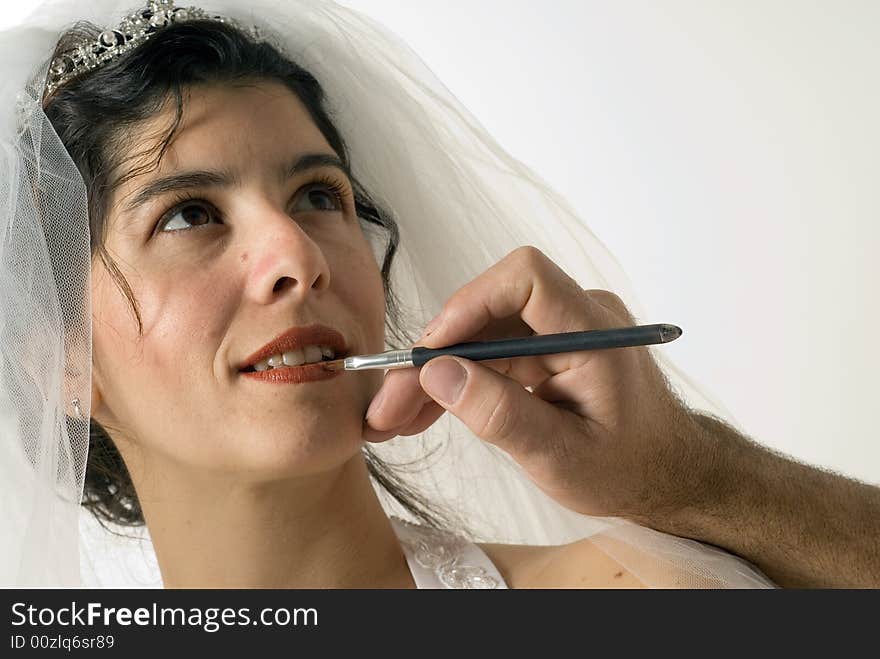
(131,32)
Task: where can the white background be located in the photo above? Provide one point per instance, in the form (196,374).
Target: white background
(727,154)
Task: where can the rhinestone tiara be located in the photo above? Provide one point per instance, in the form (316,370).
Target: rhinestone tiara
(131,32)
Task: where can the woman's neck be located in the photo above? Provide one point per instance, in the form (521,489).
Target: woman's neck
(322,531)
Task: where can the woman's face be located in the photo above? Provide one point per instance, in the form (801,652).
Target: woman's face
(221,264)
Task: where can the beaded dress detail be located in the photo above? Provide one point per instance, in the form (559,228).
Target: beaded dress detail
(439,559)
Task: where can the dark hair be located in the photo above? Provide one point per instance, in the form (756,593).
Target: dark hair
(91,114)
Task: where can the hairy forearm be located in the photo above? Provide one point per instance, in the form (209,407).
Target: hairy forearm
(802,526)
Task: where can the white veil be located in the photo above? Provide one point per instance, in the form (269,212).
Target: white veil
(461,204)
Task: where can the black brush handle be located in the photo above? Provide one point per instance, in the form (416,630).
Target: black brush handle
(547,344)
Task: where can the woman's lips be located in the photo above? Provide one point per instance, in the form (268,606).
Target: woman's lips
(298,337)
(293,374)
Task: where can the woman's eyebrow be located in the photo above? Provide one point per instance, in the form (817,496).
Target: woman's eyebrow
(215,178)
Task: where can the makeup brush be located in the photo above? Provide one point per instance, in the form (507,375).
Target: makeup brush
(546,344)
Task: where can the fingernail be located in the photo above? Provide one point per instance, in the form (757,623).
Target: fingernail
(444,379)
(370,435)
(376,403)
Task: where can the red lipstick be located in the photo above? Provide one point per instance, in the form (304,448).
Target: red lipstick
(293,374)
(292,339)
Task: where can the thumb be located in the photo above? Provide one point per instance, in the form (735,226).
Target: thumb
(496,408)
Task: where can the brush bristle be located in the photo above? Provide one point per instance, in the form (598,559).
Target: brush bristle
(335,365)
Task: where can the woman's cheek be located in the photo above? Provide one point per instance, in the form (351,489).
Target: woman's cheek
(176,329)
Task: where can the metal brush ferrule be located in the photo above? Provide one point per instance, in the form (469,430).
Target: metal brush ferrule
(384,360)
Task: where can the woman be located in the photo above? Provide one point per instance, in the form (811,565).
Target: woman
(245,211)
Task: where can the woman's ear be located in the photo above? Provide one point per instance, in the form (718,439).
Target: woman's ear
(79,382)
(97,399)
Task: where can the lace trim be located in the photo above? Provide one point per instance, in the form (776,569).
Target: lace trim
(440,552)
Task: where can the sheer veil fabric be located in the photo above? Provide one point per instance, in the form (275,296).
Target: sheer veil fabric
(461,203)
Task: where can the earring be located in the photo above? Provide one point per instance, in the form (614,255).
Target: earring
(76,408)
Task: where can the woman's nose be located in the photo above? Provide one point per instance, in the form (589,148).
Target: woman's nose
(284,260)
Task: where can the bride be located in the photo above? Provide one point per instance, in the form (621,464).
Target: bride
(205,207)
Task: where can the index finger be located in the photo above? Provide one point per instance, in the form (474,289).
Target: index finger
(526,283)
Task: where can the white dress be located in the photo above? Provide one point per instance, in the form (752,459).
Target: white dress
(439,559)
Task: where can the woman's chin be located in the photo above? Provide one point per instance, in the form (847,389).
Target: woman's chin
(306,452)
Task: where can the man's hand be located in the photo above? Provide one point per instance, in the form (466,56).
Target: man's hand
(600,432)
(603,434)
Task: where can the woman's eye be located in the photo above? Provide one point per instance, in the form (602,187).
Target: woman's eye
(197,213)
(318,198)
(186,216)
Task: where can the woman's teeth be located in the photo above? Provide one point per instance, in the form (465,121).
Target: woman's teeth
(298,357)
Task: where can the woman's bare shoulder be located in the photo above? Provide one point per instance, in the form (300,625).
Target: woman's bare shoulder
(578,564)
